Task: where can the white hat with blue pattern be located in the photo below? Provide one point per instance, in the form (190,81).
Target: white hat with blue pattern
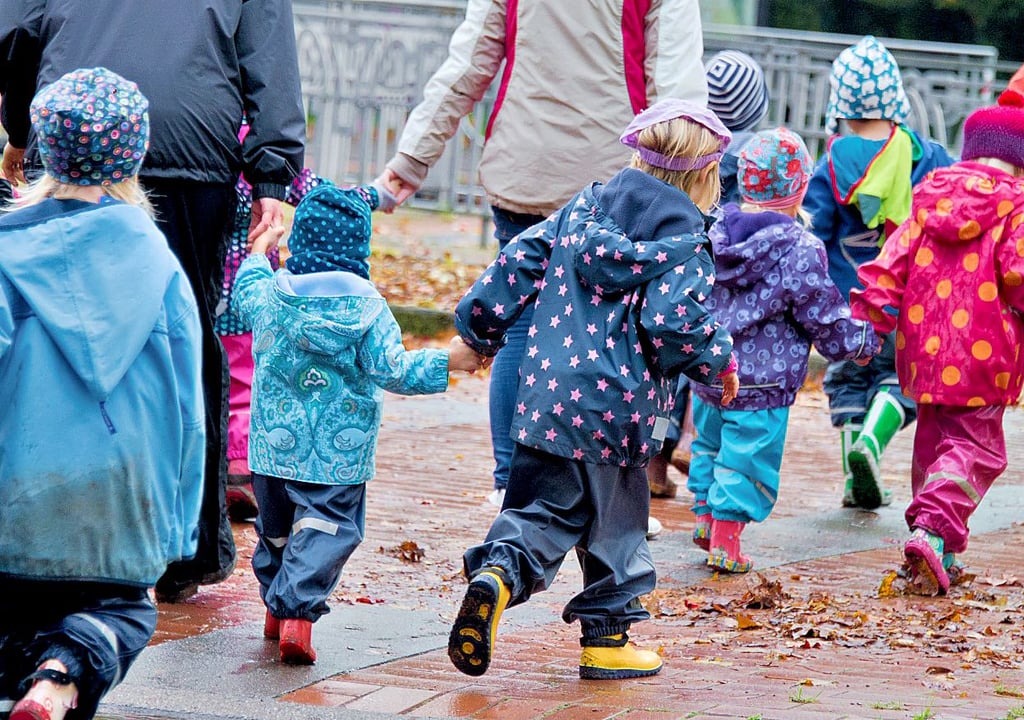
(865,83)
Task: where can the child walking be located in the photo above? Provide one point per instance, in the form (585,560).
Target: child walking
(953,272)
(325,344)
(738,95)
(617,278)
(102,435)
(236,337)
(859,191)
(773,294)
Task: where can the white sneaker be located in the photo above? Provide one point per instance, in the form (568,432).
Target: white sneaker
(497,497)
(653,527)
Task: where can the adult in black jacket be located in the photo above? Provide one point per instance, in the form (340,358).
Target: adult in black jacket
(201,64)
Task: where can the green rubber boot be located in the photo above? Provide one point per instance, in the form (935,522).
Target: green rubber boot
(885,417)
(848,436)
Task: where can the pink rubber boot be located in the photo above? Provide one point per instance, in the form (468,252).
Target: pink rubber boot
(725,547)
(51,696)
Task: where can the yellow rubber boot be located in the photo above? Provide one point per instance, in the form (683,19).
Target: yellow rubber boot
(613,657)
(471,642)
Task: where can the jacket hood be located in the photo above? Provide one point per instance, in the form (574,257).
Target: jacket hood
(326,311)
(95,276)
(738,240)
(643,222)
(959,201)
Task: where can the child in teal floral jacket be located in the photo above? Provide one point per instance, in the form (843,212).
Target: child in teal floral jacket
(324,345)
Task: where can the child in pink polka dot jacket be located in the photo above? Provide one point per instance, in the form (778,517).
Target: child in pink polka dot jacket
(954,272)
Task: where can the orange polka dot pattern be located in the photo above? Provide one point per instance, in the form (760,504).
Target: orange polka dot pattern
(953,272)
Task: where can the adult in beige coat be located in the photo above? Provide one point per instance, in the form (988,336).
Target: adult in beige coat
(573,75)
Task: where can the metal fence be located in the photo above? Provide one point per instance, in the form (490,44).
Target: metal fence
(364,64)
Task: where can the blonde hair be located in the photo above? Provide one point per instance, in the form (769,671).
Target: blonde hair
(683,138)
(1007,167)
(801,214)
(128,191)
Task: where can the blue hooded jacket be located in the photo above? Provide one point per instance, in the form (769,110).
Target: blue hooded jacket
(324,344)
(849,242)
(102,438)
(773,293)
(617,278)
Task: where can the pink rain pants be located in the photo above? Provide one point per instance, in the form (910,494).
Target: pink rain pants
(240,366)
(958,454)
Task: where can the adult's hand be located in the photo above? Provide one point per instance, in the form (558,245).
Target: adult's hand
(266,213)
(13,166)
(396,186)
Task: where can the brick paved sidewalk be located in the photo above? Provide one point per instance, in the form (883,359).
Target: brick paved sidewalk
(834,649)
(827,647)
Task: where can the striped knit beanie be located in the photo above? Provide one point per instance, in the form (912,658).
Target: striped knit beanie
(737,92)
(997,131)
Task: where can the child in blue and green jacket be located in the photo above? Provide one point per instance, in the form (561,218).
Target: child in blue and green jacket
(325,346)
(861,189)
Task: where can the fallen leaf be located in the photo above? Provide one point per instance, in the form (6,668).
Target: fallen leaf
(745,622)
(408,551)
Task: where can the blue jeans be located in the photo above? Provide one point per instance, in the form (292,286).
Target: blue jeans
(505,369)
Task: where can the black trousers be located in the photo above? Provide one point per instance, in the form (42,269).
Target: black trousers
(96,629)
(197,219)
(554,505)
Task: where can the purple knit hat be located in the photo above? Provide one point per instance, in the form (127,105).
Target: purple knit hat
(672,109)
(774,167)
(92,126)
(995,132)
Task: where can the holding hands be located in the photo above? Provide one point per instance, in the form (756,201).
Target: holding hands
(267,240)
(462,357)
(13,167)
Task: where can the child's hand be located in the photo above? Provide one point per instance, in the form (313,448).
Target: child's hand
(862,362)
(730,386)
(13,166)
(267,240)
(462,357)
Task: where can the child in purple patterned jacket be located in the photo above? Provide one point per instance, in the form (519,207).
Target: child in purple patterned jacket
(773,293)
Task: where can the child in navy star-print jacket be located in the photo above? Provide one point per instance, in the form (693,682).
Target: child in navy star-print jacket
(616,278)
(775,296)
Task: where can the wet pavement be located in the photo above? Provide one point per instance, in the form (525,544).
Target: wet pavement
(822,629)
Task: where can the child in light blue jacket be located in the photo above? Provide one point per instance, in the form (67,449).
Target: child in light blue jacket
(325,346)
(102,435)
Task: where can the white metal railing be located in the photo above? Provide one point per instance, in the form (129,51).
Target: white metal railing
(364,64)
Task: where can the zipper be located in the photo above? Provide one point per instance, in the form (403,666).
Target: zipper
(106,419)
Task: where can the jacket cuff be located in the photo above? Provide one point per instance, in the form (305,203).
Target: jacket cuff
(409,169)
(269,190)
(732,367)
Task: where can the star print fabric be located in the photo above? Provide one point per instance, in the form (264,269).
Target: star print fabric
(618,277)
